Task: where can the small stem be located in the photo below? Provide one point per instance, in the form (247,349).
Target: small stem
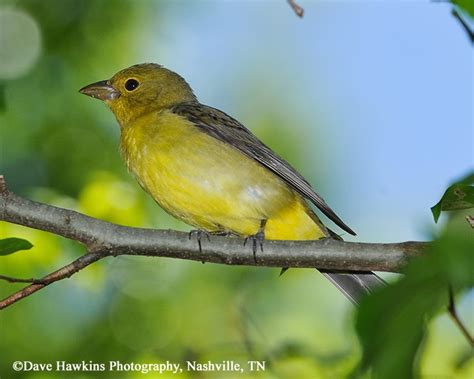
(467,29)
(454,315)
(299,11)
(62,273)
(19,280)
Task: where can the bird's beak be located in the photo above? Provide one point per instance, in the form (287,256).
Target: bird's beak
(100,90)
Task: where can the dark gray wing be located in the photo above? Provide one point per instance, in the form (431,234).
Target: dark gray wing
(226,129)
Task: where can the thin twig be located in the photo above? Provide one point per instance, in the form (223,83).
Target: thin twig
(19,280)
(467,29)
(63,273)
(299,11)
(454,315)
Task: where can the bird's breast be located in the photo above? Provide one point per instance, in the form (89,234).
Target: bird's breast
(198,178)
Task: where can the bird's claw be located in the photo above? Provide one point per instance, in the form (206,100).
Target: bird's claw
(256,239)
(199,234)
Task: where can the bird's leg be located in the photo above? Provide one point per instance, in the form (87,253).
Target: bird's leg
(257,239)
(199,234)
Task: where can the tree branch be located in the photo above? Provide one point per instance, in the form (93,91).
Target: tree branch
(103,239)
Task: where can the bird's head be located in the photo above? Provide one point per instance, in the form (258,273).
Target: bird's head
(140,89)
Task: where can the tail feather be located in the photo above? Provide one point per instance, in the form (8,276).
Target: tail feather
(305,225)
(355,285)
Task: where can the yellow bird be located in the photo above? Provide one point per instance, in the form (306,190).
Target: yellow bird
(205,168)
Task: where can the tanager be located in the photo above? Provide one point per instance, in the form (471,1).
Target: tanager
(205,168)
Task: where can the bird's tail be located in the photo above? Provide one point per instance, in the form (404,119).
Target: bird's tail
(354,285)
(305,225)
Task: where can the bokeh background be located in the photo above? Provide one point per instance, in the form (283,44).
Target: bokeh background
(371,101)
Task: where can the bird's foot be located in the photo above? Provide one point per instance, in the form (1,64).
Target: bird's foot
(199,235)
(257,239)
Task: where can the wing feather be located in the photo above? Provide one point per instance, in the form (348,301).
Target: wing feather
(226,129)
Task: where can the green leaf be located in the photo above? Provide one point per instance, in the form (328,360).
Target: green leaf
(467,6)
(459,195)
(391,324)
(12,245)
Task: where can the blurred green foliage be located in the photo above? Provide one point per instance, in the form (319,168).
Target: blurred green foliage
(45,120)
(392,323)
(61,149)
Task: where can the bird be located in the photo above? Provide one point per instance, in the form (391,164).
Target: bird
(207,169)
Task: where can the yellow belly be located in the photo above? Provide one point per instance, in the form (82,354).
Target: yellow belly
(209,184)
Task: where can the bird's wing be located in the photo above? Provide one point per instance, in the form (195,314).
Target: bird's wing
(226,129)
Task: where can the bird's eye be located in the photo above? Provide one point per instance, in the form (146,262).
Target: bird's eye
(131,84)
